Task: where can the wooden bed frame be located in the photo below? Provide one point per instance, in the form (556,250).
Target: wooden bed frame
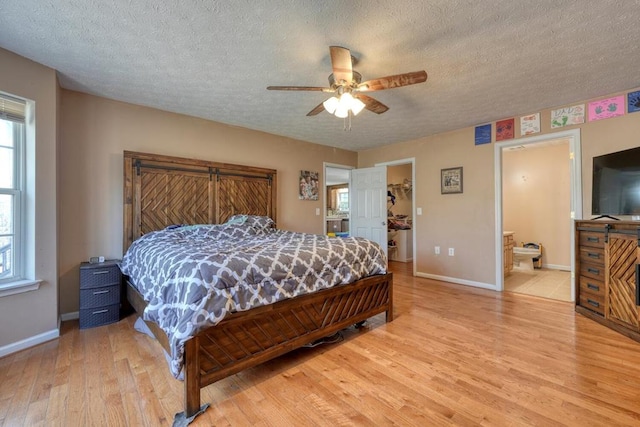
(160,191)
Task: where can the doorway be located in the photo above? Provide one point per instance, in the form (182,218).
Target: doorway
(401,179)
(336,201)
(561,220)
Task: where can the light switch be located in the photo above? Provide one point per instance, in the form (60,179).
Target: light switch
(419,211)
(317,211)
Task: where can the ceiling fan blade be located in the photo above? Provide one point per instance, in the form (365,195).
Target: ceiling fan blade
(309,88)
(372,104)
(319,109)
(341,63)
(391,82)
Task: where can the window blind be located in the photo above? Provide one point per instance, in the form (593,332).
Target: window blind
(12,108)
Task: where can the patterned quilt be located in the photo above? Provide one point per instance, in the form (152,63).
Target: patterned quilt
(192,276)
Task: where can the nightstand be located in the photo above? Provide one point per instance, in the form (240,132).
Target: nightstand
(99,293)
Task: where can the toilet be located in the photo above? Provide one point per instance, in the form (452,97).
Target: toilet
(523,257)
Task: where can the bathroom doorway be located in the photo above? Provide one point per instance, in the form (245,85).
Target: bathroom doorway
(538,188)
(336,200)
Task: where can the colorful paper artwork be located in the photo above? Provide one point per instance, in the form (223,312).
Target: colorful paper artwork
(567,116)
(505,129)
(633,102)
(606,108)
(530,124)
(483,134)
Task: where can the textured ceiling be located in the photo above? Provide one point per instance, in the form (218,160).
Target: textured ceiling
(486,60)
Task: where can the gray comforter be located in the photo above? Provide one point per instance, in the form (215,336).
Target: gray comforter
(192,276)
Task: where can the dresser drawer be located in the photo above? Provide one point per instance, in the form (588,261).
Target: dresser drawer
(99,276)
(592,239)
(593,302)
(592,255)
(98,316)
(98,297)
(591,286)
(593,271)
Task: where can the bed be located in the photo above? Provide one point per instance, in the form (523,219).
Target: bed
(161,192)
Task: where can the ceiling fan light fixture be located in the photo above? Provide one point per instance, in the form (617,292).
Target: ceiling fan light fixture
(356,106)
(331,104)
(342,111)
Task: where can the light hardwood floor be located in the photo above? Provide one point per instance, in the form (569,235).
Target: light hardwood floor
(454,355)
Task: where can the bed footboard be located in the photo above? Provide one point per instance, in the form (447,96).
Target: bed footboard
(246,339)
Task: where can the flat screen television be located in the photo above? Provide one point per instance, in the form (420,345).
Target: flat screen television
(616,183)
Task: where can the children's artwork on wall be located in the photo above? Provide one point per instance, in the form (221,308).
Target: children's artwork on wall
(606,108)
(633,102)
(308,185)
(567,116)
(530,124)
(505,129)
(483,134)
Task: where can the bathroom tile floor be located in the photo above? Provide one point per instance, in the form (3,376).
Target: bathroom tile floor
(553,284)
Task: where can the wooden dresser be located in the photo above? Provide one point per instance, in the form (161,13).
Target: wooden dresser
(607,265)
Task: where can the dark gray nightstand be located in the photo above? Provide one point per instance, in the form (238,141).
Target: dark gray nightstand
(100,286)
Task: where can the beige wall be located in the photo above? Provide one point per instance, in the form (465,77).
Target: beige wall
(536,199)
(467,221)
(396,175)
(30,314)
(95,132)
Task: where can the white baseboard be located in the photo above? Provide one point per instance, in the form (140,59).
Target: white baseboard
(557,267)
(457,281)
(29,342)
(70,316)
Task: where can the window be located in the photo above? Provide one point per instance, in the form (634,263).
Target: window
(343,199)
(12,137)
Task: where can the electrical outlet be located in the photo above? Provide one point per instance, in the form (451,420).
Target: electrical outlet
(437,249)
(452,251)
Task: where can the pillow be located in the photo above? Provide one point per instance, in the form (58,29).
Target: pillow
(260,223)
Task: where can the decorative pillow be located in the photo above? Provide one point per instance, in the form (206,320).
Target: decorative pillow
(260,223)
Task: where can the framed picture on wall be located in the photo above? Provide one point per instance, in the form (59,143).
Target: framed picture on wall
(451,180)
(308,185)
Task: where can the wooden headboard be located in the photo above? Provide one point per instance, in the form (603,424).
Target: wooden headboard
(163,190)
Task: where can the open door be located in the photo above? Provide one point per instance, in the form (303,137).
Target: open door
(368,194)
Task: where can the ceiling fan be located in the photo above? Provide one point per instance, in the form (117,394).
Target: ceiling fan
(349,88)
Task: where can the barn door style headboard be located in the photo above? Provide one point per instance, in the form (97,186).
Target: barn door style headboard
(161,190)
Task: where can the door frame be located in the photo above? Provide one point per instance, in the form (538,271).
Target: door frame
(414,223)
(575,156)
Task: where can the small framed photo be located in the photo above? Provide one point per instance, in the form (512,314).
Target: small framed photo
(451,180)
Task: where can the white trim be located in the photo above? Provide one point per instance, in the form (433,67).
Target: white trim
(18,287)
(29,342)
(414,226)
(557,267)
(457,281)
(573,136)
(69,316)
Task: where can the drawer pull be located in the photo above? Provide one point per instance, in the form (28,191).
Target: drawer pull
(100,311)
(592,286)
(95,273)
(593,239)
(593,270)
(593,255)
(589,301)
(101,292)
